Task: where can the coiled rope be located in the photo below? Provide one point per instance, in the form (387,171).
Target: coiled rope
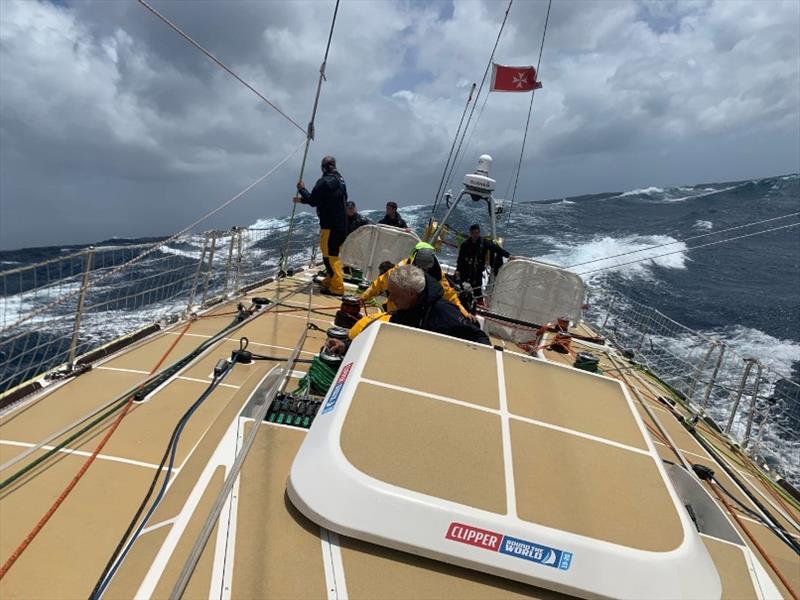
(318,379)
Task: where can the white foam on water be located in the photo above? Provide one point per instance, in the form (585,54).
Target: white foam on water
(705,192)
(598,248)
(648,191)
(13,308)
(704,225)
(773,352)
(271,223)
(194,255)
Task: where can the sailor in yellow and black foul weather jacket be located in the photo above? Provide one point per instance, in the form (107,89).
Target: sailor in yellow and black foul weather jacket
(329,197)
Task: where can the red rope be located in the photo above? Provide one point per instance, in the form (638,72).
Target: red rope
(66,492)
(43,521)
(758,546)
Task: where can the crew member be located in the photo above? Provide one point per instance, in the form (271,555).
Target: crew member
(472,258)
(418,303)
(329,197)
(423,257)
(392,217)
(354,218)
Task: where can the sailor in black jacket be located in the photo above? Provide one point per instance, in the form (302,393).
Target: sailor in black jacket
(392,217)
(354,218)
(329,197)
(472,258)
(420,303)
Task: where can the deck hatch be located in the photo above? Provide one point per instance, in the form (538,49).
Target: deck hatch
(544,471)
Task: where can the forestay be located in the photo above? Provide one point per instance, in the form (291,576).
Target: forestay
(368,246)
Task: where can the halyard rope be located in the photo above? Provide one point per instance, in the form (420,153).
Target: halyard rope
(480,89)
(310,134)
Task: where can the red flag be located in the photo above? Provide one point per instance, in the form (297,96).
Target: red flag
(514,79)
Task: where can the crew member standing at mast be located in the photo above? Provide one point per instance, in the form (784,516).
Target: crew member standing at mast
(329,197)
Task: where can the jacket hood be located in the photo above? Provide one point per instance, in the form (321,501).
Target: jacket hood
(432,292)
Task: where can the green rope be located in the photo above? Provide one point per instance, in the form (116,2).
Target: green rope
(5,483)
(318,379)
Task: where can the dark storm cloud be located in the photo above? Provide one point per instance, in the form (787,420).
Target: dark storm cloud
(112,125)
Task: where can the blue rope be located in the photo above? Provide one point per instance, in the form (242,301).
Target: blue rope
(174,443)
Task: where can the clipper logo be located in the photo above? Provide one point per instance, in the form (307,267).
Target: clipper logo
(473,536)
(337,389)
(497,542)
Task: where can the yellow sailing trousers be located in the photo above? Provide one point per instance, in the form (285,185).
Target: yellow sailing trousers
(330,240)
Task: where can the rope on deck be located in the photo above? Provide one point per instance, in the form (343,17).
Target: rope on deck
(82,471)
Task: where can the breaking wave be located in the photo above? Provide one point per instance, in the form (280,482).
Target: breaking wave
(587,258)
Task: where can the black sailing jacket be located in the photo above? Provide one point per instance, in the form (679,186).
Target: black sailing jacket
(329,196)
(356,221)
(434,313)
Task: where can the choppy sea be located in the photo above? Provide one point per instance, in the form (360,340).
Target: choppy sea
(746,292)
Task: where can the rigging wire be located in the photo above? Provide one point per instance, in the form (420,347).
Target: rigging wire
(480,89)
(219,63)
(694,237)
(738,237)
(452,147)
(469,139)
(530,110)
(309,133)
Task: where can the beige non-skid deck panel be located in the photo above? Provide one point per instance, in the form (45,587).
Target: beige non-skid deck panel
(587,404)
(435,365)
(781,555)
(734,572)
(278,551)
(427,446)
(69,554)
(200,581)
(377,572)
(146,356)
(592,489)
(83,532)
(66,404)
(144,433)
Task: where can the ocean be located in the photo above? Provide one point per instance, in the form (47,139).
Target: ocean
(746,292)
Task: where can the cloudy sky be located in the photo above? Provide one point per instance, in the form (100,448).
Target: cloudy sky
(111,125)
